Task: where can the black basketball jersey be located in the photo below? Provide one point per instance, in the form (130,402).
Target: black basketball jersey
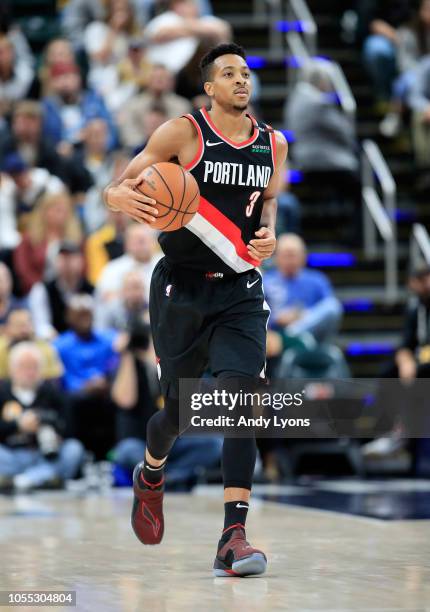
(232,178)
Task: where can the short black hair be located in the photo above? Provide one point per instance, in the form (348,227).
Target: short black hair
(207,60)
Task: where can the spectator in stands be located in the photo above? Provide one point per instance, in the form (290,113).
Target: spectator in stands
(20,189)
(134,70)
(326,148)
(159,93)
(9,28)
(302,300)
(33,451)
(9,234)
(8,301)
(325,136)
(48,300)
(412,359)
(52,221)
(136,393)
(26,140)
(102,165)
(419,102)
(380,18)
(147,9)
(106,44)
(89,358)
(69,108)
(173,36)
(15,76)
(105,244)
(140,254)
(57,51)
(130,305)
(19,328)
(155,116)
(413,42)
(76,15)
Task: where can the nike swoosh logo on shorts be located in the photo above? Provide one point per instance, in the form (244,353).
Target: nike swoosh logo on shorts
(241,506)
(213,144)
(249,285)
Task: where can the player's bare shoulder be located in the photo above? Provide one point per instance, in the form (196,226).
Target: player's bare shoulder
(281,147)
(178,138)
(178,130)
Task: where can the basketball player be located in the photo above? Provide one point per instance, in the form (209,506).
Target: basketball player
(207,305)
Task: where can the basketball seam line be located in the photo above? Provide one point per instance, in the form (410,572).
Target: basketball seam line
(191,201)
(172,198)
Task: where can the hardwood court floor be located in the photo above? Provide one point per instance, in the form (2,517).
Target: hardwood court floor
(318,560)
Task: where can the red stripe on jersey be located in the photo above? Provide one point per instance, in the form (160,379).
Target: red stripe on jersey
(227,228)
(225,138)
(193,163)
(273,143)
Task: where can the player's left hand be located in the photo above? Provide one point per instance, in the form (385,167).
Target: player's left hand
(264,245)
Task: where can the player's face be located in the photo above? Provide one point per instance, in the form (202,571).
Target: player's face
(231,82)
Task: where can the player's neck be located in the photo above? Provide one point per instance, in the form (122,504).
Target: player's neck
(236,125)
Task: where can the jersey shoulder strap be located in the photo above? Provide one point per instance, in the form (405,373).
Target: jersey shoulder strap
(263,134)
(267,137)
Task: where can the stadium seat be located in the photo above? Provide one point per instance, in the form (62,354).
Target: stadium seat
(322,361)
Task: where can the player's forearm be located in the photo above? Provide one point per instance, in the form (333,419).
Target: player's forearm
(268,215)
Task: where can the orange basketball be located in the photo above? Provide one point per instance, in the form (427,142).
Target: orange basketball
(175,191)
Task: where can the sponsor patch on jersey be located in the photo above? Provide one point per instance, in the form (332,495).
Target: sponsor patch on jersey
(214,275)
(260,148)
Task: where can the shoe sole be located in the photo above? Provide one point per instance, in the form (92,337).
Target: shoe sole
(251,566)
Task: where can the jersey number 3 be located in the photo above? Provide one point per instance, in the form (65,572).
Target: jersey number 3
(252,200)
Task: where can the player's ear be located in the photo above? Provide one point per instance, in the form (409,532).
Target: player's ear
(209,88)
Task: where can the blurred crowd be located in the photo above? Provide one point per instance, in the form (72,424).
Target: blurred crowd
(82,88)
(395,39)
(77,367)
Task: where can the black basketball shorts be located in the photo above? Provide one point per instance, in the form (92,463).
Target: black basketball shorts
(206,321)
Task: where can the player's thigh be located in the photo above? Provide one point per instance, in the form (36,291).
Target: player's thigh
(239,346)
(179,333)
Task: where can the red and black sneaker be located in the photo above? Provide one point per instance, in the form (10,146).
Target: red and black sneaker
(147,514)
(237,557)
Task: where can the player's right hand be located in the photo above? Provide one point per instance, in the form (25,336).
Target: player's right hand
(126,199)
